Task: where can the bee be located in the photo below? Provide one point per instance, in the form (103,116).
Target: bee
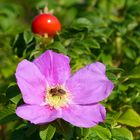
(61,91)
(57,92)
(53,90)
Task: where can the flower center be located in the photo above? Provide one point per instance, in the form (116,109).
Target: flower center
(57,97)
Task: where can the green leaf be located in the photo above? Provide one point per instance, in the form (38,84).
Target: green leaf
(25,132)
(3,98)
(68,3)
(122,133)
(130,117)
(130,53)
(82,132)
(102,132)
(133,74)
(31,129)
(27,36)
(8,114)
(64,128)
(135,41)
(13,93)
(113,69)
(19,134)
(85,132)
(19,45)
(58,46)
(92,43)
(81,23)
(47,133)
(93,136)
(87,43)
(106,58)
(111,76)
(135,8)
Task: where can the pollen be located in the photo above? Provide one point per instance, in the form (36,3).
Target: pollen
(57,97)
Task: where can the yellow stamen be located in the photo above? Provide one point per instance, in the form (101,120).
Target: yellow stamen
(56,98)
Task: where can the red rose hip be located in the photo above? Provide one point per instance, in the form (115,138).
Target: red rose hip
(46,24)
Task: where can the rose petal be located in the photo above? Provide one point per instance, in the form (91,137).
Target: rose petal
(37,114)
(89,84)
(31,82)
(54,66)
(84,116)
(97,67)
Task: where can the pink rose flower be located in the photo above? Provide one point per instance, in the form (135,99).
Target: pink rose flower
(50,91)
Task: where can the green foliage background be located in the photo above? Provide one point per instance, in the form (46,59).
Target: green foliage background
(92,30)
